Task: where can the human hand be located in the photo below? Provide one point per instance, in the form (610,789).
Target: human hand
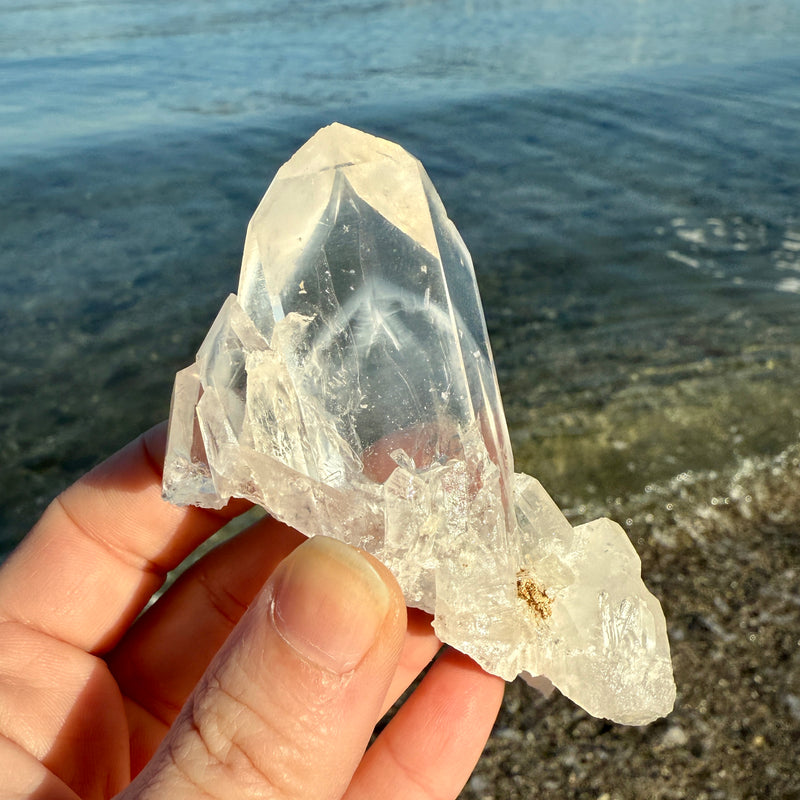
(227,686)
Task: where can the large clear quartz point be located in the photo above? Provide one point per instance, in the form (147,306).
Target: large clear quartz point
(349,389)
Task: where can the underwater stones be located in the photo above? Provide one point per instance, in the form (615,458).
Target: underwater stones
(349,388)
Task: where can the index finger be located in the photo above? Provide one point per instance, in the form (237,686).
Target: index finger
(102,548)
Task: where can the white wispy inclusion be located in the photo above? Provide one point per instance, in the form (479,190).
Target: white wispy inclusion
(349,388)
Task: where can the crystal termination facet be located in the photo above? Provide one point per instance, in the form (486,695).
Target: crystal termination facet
(349,389)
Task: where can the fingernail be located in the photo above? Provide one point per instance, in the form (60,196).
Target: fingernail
(329,603)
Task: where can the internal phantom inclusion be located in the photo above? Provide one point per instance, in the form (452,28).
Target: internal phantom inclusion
(349,389)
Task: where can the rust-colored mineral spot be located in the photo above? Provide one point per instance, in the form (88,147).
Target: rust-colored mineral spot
(536,598)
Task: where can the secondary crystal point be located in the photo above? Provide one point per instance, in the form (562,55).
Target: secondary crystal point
(349,389)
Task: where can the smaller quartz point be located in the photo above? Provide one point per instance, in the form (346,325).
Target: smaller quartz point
(349,389)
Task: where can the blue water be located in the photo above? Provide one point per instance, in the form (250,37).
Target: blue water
(77,72)
(626,175)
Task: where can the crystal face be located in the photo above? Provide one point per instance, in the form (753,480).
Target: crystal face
(349,389)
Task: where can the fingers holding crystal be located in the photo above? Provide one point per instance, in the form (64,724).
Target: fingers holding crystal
(431,746)
(159,661)
(53,694)
(305,672)
(419,648)
(102,548)
(162,657)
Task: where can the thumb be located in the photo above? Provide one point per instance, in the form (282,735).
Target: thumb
(286,708)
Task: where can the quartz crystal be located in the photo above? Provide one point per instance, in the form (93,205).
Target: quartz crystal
(349,389)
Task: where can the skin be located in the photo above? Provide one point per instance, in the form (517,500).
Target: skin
(260,673)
